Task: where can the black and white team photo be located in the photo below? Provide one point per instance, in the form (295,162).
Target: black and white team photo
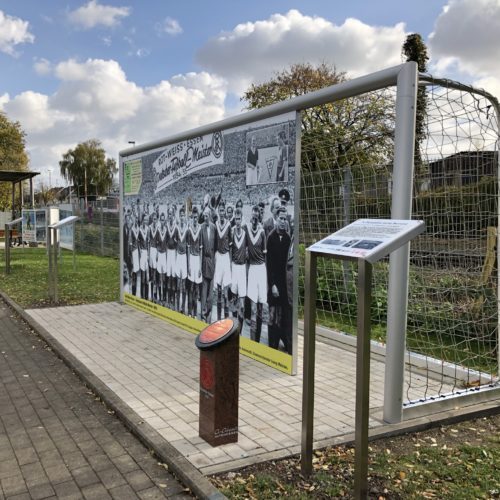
(219,241)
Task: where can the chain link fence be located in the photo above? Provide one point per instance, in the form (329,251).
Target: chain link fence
(97,231)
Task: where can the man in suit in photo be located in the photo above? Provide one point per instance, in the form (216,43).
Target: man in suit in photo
(208,232)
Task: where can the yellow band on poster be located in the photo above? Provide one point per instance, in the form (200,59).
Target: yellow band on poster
(272,357)
(191,325)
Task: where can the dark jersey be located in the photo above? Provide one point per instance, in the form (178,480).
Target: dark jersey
(134,235)
(171,236)
(256,244)
(181,239)
(223,236)
(194,240)
(153,233)
(143,238)
(239,246)
(161,239)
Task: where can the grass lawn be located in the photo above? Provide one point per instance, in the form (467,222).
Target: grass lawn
(95,279)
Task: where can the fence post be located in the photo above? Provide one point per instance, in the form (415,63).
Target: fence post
(404,150)
(7,248)
(81,230)
(102,231)
(309,364)
(49,253)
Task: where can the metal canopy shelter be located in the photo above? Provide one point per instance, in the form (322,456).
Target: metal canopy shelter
(17,178)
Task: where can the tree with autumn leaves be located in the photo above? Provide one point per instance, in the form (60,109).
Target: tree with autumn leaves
(345,133)
(13,155)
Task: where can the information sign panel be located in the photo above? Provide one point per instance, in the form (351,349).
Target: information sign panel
(369,239)
(34,225)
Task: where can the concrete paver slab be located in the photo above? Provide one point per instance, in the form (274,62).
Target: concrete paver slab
(152,367)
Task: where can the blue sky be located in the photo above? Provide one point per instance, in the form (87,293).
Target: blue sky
(122,70)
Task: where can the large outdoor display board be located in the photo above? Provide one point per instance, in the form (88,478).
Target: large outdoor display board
(34,225)
(208,232)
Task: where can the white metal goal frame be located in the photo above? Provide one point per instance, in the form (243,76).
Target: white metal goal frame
(405,78)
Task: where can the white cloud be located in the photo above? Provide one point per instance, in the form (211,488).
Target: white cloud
(252,52)
(465,42)
(97,89)
(490,83)
(94,14)
(140,53)
(31,110)
(4,98)
(468,32)
(95,99)
(13,31)
(212,87)
(169,26)
(42,67)
(134,50)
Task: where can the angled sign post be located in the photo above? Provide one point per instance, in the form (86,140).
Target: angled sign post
(52,250)
(365,241)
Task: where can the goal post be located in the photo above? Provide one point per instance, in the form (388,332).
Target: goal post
(404,153)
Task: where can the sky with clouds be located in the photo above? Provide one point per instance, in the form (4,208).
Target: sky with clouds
(121,71)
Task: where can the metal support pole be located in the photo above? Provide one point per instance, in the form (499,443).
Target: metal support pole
(102,231)
(74,248)
(32,193)
(81,230)
(49,253)
(121,208)
(309,362)
(362,379)
(54,251)
(7,249)
(13,200)
(399,259)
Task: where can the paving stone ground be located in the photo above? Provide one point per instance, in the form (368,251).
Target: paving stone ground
(153,367)
(57,440)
